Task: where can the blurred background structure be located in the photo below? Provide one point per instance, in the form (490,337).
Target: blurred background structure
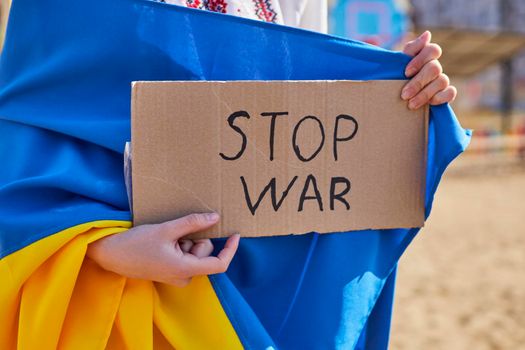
(461,284)
(484,52)
(382,22)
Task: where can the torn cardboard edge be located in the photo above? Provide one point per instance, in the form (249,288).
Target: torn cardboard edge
(187,154)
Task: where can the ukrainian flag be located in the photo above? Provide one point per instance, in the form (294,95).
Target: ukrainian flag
(65,75)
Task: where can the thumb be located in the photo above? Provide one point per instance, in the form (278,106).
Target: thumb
(190,224)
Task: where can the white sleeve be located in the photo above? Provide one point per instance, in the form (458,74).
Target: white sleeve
(306,14)
(315,16)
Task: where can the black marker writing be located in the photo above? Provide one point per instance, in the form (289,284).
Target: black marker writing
(337,138)
(272,127)
(294,139)
(270,187)
(231,120)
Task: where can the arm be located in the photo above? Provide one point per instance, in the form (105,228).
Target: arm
(159,252)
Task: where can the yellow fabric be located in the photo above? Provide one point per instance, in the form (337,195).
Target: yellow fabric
(53,297)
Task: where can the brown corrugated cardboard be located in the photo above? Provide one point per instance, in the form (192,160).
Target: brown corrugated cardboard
(277,158)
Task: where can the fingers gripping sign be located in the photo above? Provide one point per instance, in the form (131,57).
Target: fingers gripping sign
(428,83)
(160,253)
(197,260)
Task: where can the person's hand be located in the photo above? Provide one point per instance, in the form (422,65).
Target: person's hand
(158,252)
(428,84)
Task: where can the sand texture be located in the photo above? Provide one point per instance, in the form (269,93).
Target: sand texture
(461,284)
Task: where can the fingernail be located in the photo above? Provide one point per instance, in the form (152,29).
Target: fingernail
(410,71)
(212,217)
(406,93)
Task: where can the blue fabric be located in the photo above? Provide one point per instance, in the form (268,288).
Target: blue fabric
(65,76)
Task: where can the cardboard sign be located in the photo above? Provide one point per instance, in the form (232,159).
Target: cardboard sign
(277,158)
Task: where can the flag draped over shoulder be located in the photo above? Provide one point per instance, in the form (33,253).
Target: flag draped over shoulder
(65,76)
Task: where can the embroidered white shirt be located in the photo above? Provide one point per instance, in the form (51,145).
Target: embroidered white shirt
(306,14)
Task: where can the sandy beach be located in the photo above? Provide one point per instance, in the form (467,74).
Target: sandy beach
(461,283)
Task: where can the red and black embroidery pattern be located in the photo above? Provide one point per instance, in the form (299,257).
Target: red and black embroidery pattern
(210,5)
(196,4)
(217,6)
(264,10)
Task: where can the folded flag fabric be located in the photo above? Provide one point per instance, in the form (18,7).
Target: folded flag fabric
(65,77)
